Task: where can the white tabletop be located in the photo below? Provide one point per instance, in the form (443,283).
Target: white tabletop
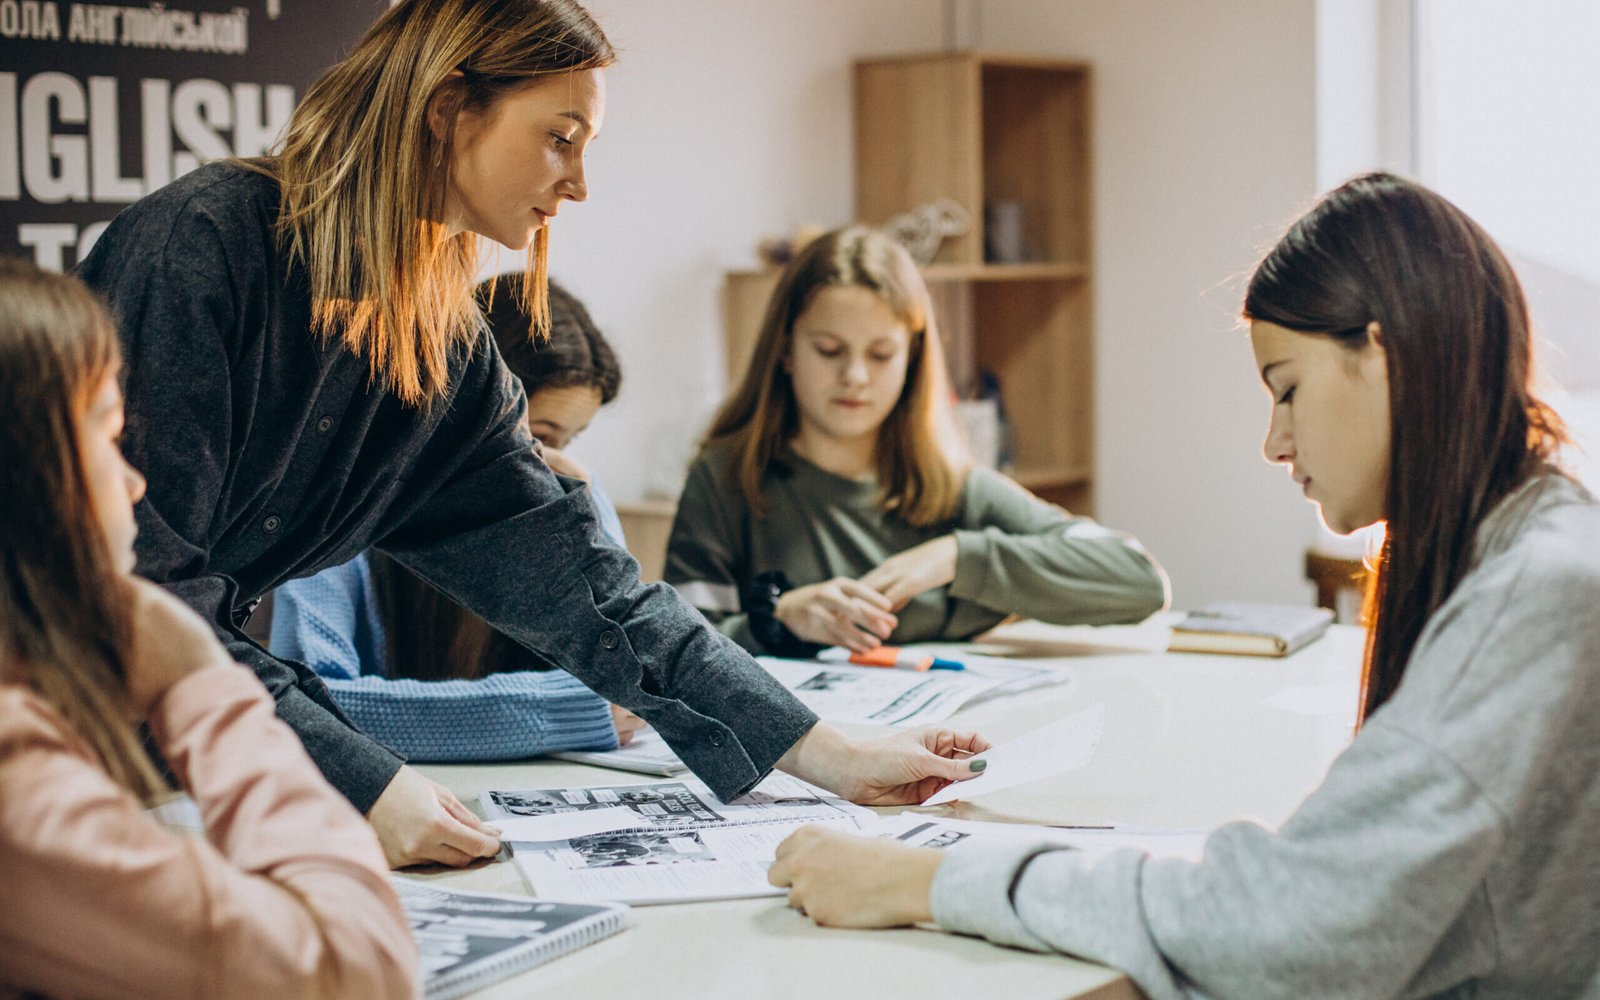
(1191,741)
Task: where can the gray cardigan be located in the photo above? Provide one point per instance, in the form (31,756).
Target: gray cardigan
(270,455)
(1452,851)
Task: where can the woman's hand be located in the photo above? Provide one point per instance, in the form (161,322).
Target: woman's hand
(627,724)
(897,770)
(170,642)
(419,820)
(918,569)
(842,880)
(563,464)
(837,612)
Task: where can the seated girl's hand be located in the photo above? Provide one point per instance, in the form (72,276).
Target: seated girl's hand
(914,571)
(170,642)
(563,464)
(837,612)
(842,880)
(627,724)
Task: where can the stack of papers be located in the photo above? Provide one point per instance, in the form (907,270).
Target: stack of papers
(680,844)
(844,692)
(839,691)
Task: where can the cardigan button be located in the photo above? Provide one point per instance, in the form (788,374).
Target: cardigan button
(324,425)
(272,523)
(608,639)
(716,738)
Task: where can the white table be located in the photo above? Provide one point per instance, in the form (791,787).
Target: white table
(1191,741)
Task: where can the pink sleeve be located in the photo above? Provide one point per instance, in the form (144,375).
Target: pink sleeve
(287,895)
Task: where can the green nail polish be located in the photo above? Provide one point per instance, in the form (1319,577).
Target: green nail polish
(977,765)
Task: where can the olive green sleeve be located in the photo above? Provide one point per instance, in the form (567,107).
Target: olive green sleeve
(1016,554)
(705,559)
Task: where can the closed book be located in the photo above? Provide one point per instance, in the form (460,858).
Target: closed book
(469,940)
(1248,629)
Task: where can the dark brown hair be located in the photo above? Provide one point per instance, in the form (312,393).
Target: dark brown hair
(64,623)
(1466,428)
(575,353)
(920,471)
(431,637)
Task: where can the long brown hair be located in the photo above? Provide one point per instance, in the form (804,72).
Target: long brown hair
(921,471)
(364,177)
(64,620)
(430,637)
(1466,428)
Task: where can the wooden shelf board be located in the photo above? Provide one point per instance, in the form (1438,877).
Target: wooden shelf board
(1015,60)
(1037,271)
(936,273)
(1051,477)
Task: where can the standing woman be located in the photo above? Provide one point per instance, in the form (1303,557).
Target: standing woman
(1454,849)
(286,894)
(309,376)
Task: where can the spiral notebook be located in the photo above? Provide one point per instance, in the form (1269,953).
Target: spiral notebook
(469,940)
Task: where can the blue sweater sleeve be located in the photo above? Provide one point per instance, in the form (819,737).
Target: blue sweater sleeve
(506,716)
(330,622)
(606,511)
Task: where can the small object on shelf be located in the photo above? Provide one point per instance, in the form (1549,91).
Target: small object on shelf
(925,228)
(1242,628)
(1004,239)
(777,251)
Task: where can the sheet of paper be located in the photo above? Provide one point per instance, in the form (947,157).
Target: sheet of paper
(678,805)
(666,866)
(844,692)
(919,830)
(1060,747)
(682,843)
(564,825)
(648,753)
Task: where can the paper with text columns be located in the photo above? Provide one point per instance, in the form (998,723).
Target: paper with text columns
(1049,750)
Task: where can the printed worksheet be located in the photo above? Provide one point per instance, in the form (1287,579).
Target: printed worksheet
(845,692)
(685,845)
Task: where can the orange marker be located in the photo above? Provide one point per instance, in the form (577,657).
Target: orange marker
(893,658)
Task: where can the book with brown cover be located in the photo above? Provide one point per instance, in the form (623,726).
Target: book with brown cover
(1243,628)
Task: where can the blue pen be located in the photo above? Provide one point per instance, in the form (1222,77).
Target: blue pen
(939,664)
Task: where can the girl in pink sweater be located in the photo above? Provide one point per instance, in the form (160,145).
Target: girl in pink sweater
(286,894)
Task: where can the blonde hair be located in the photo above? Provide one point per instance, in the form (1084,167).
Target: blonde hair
(921,468)
(364,177)
(64,621)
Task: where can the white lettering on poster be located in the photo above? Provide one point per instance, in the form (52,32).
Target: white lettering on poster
(65,134)
(61,142)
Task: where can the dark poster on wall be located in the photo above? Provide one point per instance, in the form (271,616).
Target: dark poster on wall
(100,104)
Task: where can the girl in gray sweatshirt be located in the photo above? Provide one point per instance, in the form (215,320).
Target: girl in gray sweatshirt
(1454,848)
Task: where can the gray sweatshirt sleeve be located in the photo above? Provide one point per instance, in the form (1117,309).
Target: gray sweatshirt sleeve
(1017,554)
(1379,863)
(1453,807)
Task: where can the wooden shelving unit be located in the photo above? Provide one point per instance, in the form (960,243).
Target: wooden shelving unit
(979,128)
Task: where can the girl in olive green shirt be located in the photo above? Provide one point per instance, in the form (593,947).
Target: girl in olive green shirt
(829,508)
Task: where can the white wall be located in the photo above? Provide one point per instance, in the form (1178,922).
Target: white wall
(725,120)
(1205,138)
